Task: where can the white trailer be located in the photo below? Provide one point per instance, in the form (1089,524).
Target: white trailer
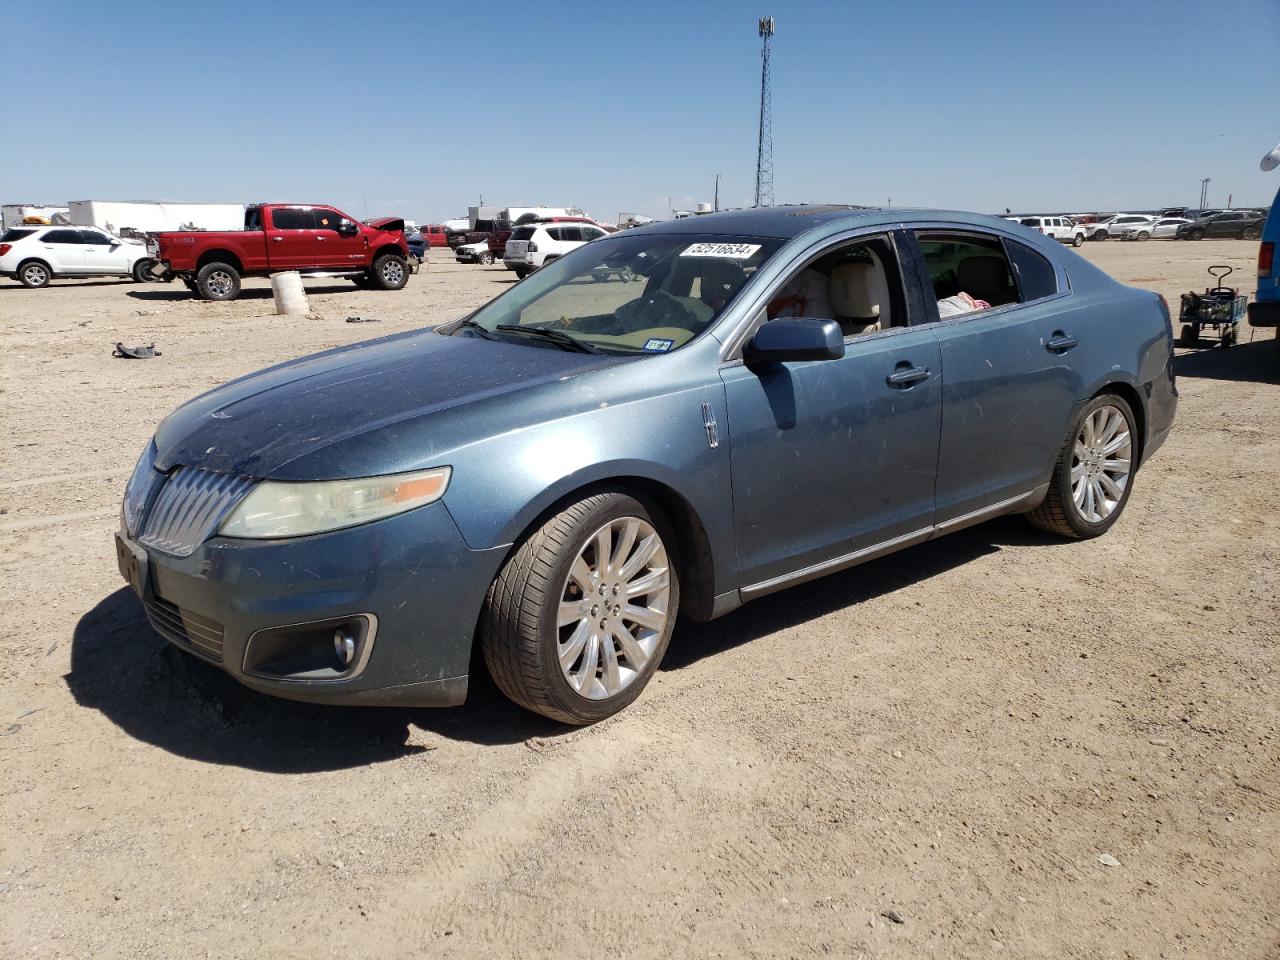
(14,213)
(143,216)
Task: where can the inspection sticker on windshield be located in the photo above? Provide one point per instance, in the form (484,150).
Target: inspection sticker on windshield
(658,345)
(730,251)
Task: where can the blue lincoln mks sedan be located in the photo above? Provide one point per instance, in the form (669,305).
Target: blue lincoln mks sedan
(671,420)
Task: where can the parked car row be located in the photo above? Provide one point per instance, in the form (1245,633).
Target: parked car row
(1231,224)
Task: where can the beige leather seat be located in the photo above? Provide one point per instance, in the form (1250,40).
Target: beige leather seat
(859,296)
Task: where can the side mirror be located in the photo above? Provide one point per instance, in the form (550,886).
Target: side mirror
(347,228)
(790,339)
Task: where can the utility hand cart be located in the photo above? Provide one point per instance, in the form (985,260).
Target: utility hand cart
(1221,308)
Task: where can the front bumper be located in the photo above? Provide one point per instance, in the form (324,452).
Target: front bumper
(408,586)
(1264,313)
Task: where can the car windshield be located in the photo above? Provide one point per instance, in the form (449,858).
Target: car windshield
(637,293)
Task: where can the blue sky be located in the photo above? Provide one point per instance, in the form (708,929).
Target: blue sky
(420,108)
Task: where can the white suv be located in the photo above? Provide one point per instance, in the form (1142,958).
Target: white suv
(534,245)
(1063,229)
(1120,224)
(35,255)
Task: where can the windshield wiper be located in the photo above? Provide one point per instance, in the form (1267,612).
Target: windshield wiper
(558,337)
(480,329)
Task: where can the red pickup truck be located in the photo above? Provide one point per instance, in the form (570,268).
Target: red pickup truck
(316,241)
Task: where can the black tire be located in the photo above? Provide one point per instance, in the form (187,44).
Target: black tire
(521,273)
(1251,233)
(218,281)
(34,274)
(1059,513)
(519,632)
(1187,338)
(1077,240)
(485,259)
(390,272)
(140,269)
(1196,234)
(1100,235)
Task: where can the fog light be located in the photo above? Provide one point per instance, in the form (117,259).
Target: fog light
(344,646)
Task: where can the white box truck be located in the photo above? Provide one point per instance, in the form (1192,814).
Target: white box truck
(141,216)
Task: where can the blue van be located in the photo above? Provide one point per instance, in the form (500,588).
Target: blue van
(1265,309)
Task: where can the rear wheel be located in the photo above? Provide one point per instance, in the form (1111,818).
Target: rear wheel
(1092,478)
(485,258)
(218,281)
(140,270)
(1100,235)
(1143,235)
(1196,234)
(1077,240)
(35,273)
(578,620)
(390,272)
(521,273)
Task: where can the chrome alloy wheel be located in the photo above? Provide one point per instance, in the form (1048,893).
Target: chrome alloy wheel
(613,608)
(392,270)
(220,284)
(35,275)
(1101,461)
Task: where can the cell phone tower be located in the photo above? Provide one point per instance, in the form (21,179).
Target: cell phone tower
(764,148)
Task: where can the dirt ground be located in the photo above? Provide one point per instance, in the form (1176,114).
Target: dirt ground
(996,744)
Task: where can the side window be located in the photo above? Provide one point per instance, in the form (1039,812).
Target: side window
(1036,276)
(553,233)
(61,236)
(291,218)
(969,271)
(94,237)
(324,219)
(857,284)
(572,234)
(590,233)
(253,218)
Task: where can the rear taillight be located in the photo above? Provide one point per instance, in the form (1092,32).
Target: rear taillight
(1266,258)
(533,247)
(5,248)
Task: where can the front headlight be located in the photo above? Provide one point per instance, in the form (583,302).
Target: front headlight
(138,488)
(281,509)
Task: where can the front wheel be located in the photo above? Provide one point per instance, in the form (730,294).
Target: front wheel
(1196,235)
(485,258)
(1100,235)
(390,272)
(1250,233)
(1143,235)
(218,281)
(578,620)
(1092,478)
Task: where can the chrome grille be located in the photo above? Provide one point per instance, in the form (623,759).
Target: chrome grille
(197,634)
(189,508)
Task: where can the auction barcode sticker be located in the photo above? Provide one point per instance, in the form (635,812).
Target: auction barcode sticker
(730,251)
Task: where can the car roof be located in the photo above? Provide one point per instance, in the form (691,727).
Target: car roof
(788,222)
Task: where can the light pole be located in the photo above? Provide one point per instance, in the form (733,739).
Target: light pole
(1204,192)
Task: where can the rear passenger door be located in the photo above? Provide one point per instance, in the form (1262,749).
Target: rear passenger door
(1008,383)
(291,238)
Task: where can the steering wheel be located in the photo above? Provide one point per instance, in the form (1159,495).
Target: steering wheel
(658,309)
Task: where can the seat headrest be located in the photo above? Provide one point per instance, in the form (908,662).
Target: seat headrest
(984,277)
(857,291)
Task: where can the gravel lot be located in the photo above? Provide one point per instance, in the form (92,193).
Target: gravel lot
(997,744)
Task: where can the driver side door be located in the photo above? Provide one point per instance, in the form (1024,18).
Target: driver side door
(834,460)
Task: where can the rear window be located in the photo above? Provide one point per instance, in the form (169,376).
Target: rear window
(522,233)
(1036,276)
(12,235)
(1030,221)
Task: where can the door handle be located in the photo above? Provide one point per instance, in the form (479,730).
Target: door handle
(1060,342)
(322,238)
(904,376)
(276,239)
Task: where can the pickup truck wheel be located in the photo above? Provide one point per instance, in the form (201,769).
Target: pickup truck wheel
(1093,477)
(218,281)
(485,258)
(140,270)
(577,621)
(35,273)
(390,272)
(1077,240)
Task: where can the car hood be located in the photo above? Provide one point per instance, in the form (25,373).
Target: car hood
(393,224)
(258,424)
